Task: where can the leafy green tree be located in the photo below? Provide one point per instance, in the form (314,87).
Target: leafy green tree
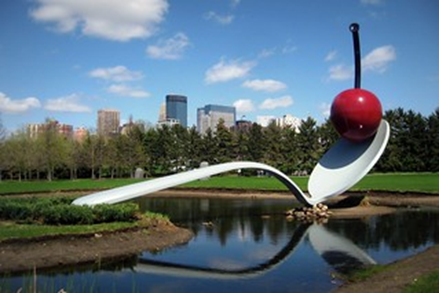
(209,148)
(432,142)
(50,149)
(391,158)
(194,146)
(179,149)
(309,146)
(290,151)
(240,145)
(256,143)
(131,149)
(224,140)
(327,135)
(274,145)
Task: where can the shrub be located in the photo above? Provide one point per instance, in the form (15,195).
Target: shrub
(105,213)
(59,211)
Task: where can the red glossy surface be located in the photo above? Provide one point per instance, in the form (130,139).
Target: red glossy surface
(356,114)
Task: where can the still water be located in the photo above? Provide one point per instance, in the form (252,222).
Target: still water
(237,247)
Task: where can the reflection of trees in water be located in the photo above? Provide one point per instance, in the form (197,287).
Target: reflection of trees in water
(226,215)
(402,230)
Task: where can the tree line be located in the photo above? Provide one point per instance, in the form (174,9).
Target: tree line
(413,147)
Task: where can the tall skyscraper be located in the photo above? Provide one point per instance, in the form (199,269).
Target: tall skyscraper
(210,115)
(176,108)
(108,122)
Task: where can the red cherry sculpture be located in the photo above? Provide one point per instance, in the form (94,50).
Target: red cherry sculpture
(356,113)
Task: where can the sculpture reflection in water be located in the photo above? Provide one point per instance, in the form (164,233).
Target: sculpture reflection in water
(338,251)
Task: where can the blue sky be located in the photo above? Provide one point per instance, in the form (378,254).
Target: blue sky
(66,59)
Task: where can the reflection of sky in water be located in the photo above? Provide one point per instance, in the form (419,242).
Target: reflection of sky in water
(243,242)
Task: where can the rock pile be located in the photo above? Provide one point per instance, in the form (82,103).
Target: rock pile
(319,212)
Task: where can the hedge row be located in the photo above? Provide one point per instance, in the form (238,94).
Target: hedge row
(59,211)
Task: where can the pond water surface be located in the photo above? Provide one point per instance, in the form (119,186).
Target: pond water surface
(238,248)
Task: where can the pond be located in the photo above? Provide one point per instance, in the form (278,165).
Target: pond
(238,247)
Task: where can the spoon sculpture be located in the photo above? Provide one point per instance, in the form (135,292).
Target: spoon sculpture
(356,115)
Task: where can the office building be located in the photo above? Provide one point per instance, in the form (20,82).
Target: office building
(176,109)
(36,129)
(108,122)
(289,121)
(210,115)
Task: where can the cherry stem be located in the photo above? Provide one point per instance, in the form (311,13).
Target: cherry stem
(354,28)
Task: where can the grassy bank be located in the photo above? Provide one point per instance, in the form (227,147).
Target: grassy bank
(401,182)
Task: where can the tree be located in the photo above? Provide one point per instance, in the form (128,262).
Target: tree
(194,148)
(209,148)
(2,152)
(290,151)
(224,140)
(131,149)
(256,143)
(309,146)
(50,148)
(274,145)
(432,141)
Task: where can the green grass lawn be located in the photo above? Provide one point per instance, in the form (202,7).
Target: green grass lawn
(13,230)
(401,182)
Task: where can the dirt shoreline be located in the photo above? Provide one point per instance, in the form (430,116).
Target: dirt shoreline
(23,255)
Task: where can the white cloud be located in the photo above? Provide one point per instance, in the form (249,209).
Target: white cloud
(66,104)
(221,19)
(331,56)
(235,3)
(325,109)
(108,19)
(378,59)
(171,49)
(8,105)
(265,53)
(340,72)
(244,106)
(266,85)
(127,91)
(225,71)
(372,2)
(264,121)
(117,73)
(282,102)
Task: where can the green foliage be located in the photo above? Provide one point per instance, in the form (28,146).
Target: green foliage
(413,147)
(105,213)
(365,273)
(59,211)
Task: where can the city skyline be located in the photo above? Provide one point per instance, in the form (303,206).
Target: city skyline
(265,58)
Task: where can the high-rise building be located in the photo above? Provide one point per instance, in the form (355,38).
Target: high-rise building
(210,115)
(65,130)
(108,122)
(289,121)
(162,113)
(176,108)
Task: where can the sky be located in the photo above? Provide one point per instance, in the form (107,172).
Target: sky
(67,59)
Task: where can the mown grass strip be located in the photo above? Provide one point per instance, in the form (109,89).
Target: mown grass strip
(10,230)
(398,182)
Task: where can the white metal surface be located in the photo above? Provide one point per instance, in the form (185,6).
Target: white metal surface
(346,163)
(128,192)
